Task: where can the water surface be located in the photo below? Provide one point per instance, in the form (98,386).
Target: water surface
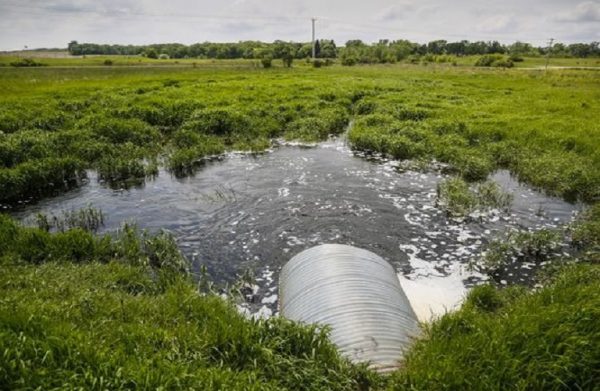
(255,212)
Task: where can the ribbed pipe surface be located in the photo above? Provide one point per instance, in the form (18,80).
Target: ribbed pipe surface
(355,292)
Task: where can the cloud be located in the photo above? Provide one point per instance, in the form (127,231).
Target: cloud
(399,10)
(52,23)
(498,24)
(588,11)
(104,8)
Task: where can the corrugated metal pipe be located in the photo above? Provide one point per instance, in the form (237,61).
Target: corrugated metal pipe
(355,292)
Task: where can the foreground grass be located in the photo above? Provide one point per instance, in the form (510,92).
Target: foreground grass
(513,339)
(110,326)
(79,310)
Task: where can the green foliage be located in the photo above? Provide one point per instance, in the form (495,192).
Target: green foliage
(586,229)
(152,53)
(38,178)
(494,60)
(218,122)
(535,247)
(266,61)
(310,129)
(542,130)
(87,219)
(136,320)
(27,62)
(123,171)
(510,339)
(458,199)
(74,241)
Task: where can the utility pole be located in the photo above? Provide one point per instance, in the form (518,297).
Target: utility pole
(550,42)
(314,55)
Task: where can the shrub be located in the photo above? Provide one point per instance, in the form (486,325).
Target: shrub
(349,59)
(516,58)
(27,62)
(266,61)
(108,62)
(494,60)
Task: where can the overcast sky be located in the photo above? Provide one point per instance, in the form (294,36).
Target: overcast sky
(53,23)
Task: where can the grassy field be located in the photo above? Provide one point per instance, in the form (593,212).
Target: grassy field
(63,59)
(103,312)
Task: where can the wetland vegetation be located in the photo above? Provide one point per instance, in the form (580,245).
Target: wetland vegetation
(121,310)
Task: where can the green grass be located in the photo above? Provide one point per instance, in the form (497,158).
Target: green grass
(459,200)
(79,310)
(111,326)
(88,311)
(513,339)
(543,127)
(125,314)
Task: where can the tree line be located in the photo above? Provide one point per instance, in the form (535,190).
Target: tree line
(354,51)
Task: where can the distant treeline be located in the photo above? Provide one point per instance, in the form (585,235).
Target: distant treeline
(353,51)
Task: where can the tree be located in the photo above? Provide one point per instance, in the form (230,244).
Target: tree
(265,56)
(73,47)
(287,55)
(437,47)
(327,49)
(354,43)
(317,49)
(305,51)
(151,53)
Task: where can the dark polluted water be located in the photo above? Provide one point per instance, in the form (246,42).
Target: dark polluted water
(256,212)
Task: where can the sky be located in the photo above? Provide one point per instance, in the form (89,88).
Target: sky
(53,23)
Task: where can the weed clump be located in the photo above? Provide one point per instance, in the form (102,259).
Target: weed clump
(87,219)
(458,199)
(218,122)
(37,178)
(125,171)
(585,232)
(531,247)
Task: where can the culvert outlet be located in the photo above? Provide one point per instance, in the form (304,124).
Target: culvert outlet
(356,293)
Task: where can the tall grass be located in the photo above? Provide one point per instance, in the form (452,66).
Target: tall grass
(512,339)
(120,312)
(542,127)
